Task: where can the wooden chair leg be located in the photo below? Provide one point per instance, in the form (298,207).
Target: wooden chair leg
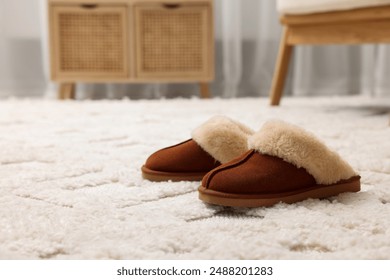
(204,90)
(281,69)
(66,91)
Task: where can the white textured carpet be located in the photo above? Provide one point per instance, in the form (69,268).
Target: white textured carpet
(71,188)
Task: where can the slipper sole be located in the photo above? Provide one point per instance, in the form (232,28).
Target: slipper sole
(159,176)
(237,200)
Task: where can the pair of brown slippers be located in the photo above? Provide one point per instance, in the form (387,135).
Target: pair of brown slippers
(242,168)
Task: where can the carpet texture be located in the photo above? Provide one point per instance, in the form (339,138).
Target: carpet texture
(71,187)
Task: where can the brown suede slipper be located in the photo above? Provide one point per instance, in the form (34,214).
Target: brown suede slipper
(217,141)
(284,164)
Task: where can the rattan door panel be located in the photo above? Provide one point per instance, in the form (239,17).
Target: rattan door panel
(89,42)
(173,41)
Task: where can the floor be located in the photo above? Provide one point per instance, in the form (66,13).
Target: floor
(71,188)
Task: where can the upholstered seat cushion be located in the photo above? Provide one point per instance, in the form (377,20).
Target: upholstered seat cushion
(316,6)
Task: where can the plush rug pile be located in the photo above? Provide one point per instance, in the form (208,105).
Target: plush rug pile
(71,187)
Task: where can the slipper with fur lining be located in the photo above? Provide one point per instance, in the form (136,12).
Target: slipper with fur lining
(218,140)
(284,164)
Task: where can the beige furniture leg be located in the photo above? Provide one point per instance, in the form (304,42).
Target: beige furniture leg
(66,91)
(281,69)
(204,90)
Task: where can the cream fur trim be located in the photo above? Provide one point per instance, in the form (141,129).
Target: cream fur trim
(301,148)
(223,138)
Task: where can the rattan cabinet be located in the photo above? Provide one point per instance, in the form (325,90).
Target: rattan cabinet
(129,41)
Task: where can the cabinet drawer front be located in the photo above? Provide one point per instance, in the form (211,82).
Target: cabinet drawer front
(89,41)
(173,41)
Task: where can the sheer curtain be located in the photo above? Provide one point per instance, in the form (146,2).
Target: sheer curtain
(247,39)
(21,67)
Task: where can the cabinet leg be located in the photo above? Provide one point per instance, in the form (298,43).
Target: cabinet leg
(66,91)
(204,90)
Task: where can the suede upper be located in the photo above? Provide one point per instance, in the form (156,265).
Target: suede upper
(255,173)
(187,156)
